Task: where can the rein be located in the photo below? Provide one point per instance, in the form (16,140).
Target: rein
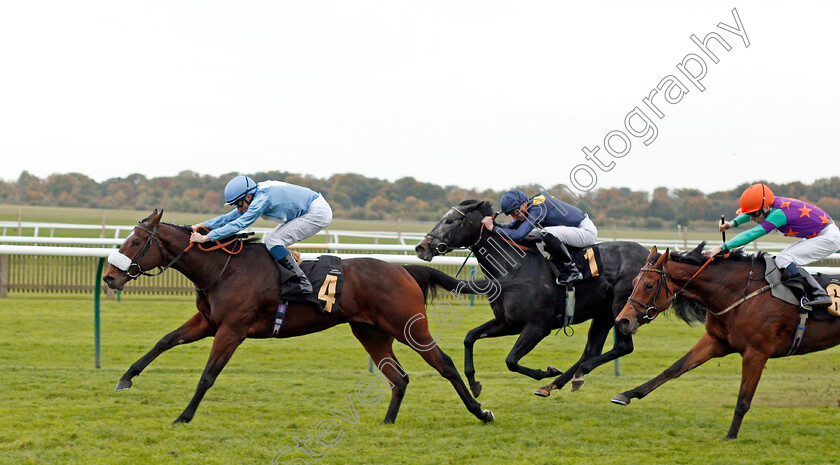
(652,310)
(154,237)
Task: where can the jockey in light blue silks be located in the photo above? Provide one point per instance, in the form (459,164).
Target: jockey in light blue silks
(301,212)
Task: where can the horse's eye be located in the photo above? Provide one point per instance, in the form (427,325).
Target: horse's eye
(450,221)
(648,286)
(135,242)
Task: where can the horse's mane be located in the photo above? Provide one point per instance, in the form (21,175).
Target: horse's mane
(696,257)
(485,207)
(187,229)
(691,311)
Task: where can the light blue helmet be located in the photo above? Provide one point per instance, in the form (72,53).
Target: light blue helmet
(237,188)
(511,200)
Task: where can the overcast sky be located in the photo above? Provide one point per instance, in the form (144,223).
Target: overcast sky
(478,94)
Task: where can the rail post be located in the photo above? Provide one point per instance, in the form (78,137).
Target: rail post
(97,290)
(4,275)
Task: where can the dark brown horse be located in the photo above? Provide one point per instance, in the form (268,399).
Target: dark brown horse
(760,328)
(237,297)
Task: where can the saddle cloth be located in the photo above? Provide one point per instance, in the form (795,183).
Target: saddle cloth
(791,290)
(587,259)
(327,283)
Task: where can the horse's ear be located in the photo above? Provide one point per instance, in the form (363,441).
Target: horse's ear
(154,220)
(481,206)
(663,259)
(699,249)
(667,255)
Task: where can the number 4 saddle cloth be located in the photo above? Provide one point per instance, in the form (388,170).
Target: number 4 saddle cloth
(327,283)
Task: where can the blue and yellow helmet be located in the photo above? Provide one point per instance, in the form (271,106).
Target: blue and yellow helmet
(511,200)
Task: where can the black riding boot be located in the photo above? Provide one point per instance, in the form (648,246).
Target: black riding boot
(299,283)
(560,256)
(816,295)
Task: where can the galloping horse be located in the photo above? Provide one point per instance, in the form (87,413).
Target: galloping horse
(759,328)
(237,297)
(531,304)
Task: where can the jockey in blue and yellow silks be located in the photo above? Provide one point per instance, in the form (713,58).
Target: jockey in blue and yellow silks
(560,222)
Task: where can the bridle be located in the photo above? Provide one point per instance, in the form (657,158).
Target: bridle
(135,262)
(651,310)
(443,248)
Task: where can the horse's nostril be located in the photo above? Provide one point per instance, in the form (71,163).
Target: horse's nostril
(419,249)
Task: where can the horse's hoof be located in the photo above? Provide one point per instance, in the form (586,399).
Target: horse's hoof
(620,399)
(551,371)
(577,383)
(181,420)
(387,421)
(123,384)
(475,388)
(542,392)
(488,416)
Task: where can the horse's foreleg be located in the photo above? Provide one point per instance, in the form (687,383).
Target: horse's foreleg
(752,365)
(529,338)
(706,348)
(493,328)
(591,358)
(224,344)
(197,327)
(379,346)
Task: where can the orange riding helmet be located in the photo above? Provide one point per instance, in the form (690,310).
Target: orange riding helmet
(755,198)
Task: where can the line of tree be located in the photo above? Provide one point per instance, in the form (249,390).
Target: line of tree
(355,196)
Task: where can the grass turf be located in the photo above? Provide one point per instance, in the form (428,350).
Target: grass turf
(56,408)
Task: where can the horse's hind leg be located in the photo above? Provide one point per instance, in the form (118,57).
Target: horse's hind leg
(224,345)
(425,345)
(379,346)
(197,327)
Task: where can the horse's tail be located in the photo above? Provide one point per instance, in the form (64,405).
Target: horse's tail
(431,280)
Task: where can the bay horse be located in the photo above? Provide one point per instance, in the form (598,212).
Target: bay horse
(530,303)
(237,297)
(760,328)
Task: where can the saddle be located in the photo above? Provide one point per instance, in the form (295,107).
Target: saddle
(587,260)
(792,290)
(326,278)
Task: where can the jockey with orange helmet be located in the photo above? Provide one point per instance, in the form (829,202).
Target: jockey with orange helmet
(793,218)
(301,212)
